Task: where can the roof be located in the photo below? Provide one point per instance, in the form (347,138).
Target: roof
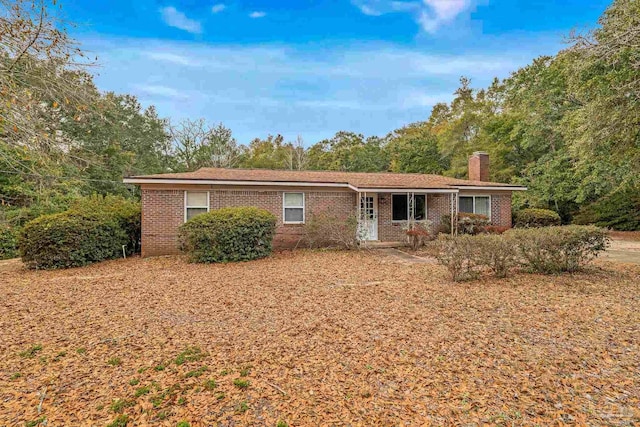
(355,180)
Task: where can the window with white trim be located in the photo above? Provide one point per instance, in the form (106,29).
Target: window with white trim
(480,205)
(293,208)
(400,207)
(195,203)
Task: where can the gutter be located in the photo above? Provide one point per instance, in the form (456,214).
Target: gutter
(452,189)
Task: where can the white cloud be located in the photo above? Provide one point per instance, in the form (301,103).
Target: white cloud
(257,14)
(370,88)
(369,10)
(159,90)
(172,57)
(217,8)
(431,15)
(174,18)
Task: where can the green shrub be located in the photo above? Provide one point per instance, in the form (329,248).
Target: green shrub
(496,253)
(542,250)
(459,255)
(325,230)
(468,223)
(125,211)
(8,242)
(533,217)
(228,234)
(70,239)
(557,249)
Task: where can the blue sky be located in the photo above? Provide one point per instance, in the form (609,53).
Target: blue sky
(312,68)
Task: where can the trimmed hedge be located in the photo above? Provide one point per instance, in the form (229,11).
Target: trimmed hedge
(533,217)
(228,234)
(545,250)
(556,249)
(71,239)
(125,211)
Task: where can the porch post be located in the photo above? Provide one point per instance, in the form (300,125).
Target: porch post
(454,206)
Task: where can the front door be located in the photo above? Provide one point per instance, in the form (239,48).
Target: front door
(369,217)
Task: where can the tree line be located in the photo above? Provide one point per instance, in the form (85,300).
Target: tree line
(566,126)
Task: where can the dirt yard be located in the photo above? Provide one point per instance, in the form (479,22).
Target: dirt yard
(316,338)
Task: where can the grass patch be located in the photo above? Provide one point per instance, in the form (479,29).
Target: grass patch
(282,424)
(190,354)
(198,372)
(183,424)
(242,407)
(120,421)
(31,352)
(81,350)
(182,401)
(134,381)
(220,395)
(35,423)
(115,361)
(159,368)
(15,376)
(119,405)
(244,371)
(240,383)
(210,384)
(142,391)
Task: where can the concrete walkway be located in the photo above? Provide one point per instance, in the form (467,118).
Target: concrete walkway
(396,255)
(627,251)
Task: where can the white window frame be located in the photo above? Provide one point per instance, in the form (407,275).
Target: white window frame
(284,208)
(196,207)
(474,202)
(426,208)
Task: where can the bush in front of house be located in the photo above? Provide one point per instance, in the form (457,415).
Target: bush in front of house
(533,217)
(418,233)
(8,242)
(125,211)
(70,239)
(545,250)
(228,234)
(560,248)
(326,230)
(468,223)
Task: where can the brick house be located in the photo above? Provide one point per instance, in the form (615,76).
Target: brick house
(383,202)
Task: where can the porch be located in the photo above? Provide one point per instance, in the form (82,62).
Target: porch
(385,214)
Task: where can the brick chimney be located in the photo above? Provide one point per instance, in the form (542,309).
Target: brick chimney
(479,166)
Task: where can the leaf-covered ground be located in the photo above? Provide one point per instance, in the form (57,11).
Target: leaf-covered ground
(316,338)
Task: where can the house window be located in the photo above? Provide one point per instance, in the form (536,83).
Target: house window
(195,203)
(293,206)
(480,205)
(400,207)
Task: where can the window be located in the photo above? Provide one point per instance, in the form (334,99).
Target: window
(293,206)
(480,205)
(195,203)
(400,207)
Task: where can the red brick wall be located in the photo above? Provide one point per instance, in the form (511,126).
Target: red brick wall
(163,213)
(501,209)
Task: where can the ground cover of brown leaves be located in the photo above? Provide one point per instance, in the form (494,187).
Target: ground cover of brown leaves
(317,338)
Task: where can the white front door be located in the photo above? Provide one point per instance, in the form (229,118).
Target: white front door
(369,217)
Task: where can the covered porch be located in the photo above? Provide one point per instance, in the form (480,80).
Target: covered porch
(384,215)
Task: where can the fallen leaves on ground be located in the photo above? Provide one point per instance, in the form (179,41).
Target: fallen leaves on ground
(316,338)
